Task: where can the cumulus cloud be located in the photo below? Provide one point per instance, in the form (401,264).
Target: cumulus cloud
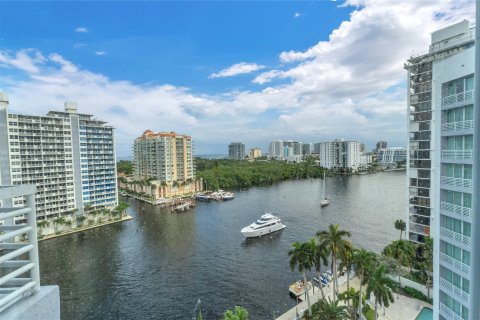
(81,30)
(297,15)
(100,53)
(236,69)
(351,85)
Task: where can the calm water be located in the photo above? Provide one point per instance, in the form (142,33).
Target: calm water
(159,264)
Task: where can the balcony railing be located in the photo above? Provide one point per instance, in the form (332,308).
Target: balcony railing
(14,263)
(456,182)
(457,210)
(457,126)
(460,238)
(457,154)
(455,263)
(456,291)
(448,313)
(458,98)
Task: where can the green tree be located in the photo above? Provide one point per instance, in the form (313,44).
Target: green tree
(400,225)
(401,250)
(320,257)
(380,285)
(363,261)
(427,253)
(330,310)
(335,244)
(301,257)
(353,295)
(239,313)
(346,257)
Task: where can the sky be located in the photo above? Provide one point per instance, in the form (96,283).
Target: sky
(222,71)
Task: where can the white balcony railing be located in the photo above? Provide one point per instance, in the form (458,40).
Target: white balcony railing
(456,182)
(457,154)
(456,291)
(448,313)
(457,126)
(458,98)
(18,258)
(454,209)
(455,263)
(460,238)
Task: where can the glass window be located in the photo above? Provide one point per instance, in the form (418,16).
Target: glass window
(457,253)
(466,257)
(465,285)
(467,229)
(469,113)
(458,171)
(467,171)
(469,142)
(469,83)
(464,312)
(467,200)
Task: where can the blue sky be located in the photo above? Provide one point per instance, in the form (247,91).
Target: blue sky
(222,71)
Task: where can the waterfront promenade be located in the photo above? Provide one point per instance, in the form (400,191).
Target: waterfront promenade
(402,308)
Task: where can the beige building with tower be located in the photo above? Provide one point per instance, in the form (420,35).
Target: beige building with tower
(255,153)
(163,166)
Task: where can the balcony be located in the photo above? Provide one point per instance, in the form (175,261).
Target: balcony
(456,264)
(457,154)
(455,236)
(448,313)
(461,97)
(454,290)
(457,126)
(456,182)
(420,229)
(456,210)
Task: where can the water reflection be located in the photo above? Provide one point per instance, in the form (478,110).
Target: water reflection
(159,264)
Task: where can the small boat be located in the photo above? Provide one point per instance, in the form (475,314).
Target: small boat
(267,223)
(324,201)
(228,196)
(202,197)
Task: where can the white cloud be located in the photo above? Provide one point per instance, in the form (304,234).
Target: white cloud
(100,53)
(236,69)
(81,30)
(297,15)
(352,86)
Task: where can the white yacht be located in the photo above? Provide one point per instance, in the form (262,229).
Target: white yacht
(267,223)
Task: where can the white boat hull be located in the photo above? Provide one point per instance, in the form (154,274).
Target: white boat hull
(324,203)
(251,233)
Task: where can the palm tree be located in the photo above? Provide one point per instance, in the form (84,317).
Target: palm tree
(330,310)
(346,257)
(319,258)
(427,252)
(334,243)
(379,285)
(400,225)
(363,260)
(353,295)
(301,256)
(239,313)
(401,250)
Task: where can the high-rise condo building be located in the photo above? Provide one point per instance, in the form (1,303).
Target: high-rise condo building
(340,155)
(307,148)
(443,164)
(255,153)
(236,151)
(381,145)
(163,156)
(68,156)
(391,155)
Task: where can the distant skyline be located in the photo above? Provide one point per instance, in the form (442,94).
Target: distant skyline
(222,71)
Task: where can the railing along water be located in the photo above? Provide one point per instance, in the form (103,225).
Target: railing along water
(19,264)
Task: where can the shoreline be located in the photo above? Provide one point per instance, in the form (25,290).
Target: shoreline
(125,218)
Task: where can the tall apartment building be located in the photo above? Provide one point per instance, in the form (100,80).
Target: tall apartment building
(307,148)
(381,145)
(286,150)
(236,151)
(443,164)
(255,153)
(275,150)
(392,155)
(340,155)
(164,156)
(69,156)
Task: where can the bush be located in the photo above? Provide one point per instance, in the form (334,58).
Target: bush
(414,293)
(368,312)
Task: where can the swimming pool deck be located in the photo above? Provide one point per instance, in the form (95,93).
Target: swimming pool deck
(402,308)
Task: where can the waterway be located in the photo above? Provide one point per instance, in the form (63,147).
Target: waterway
(159,264)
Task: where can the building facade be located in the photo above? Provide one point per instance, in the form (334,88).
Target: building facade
(381,145)
(449,114)
(68,156)
(390,156)
(163,156)
(341,155)
(255,153)
(236,151)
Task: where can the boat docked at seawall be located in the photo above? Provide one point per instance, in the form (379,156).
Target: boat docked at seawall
(267,223)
